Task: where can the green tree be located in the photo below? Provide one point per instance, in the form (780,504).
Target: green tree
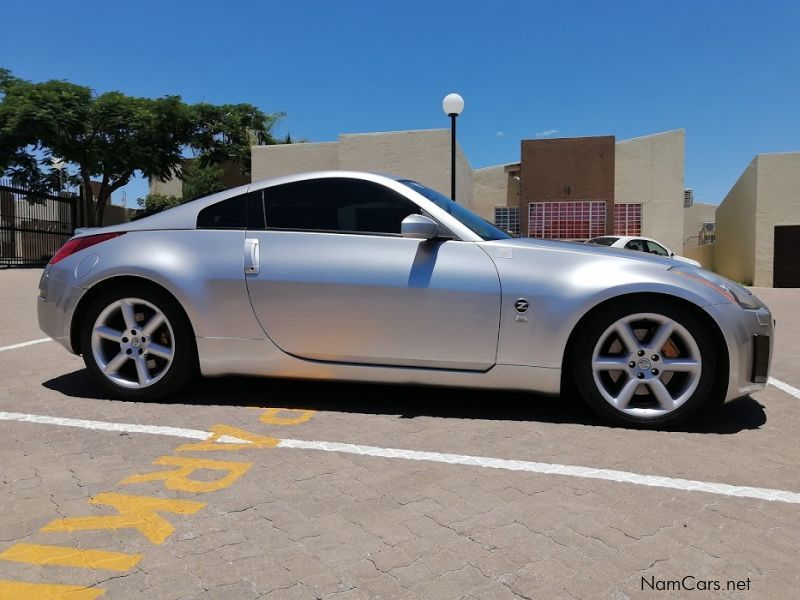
(225,133)
(199,180)
(112,136)
(153,203)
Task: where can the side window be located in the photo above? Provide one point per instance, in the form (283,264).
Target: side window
(227,214)
(654,248)
(336,205)
(635,245)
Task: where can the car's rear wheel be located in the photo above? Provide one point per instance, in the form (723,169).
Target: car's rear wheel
(137,342)
(649,363)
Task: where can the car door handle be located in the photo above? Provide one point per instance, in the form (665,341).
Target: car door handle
(251,256)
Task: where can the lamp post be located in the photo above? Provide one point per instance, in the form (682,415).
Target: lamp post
(453,105)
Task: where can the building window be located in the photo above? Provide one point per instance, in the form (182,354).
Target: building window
(628,219)
(573,220)
(507,218)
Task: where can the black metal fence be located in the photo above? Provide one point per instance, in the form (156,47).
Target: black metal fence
(33,225)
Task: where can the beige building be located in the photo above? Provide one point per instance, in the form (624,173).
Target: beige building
(644,173)
(423,156)
(649,170)
(698,224)
(626,187)
(758,224)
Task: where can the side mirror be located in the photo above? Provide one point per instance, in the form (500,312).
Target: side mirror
(419,227)
(672,254)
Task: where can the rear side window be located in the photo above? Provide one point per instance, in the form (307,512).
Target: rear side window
(333,205)
(228,214)
(636,245)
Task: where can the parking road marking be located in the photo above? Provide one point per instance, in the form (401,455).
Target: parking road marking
(23,344)
(134,512)
(39,554)
(194,434)
(784,387)
(11,590)
(721,489)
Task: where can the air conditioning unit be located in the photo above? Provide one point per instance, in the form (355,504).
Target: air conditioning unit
(688,197)
(708,234)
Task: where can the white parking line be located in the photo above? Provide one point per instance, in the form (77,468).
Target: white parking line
(23,344)
(194,434)
(785,387)
(721,489)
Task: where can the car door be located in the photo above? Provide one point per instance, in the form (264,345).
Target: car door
(336,282)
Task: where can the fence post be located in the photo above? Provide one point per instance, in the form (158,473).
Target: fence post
(73,209)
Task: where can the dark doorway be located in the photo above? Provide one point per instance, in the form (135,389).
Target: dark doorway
(786,257)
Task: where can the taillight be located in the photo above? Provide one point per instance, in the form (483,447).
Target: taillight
(81,243)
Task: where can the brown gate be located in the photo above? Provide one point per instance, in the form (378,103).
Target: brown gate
(786,257)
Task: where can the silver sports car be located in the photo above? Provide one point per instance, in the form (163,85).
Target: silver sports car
(362,277)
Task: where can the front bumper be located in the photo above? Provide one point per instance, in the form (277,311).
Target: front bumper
(55,307)
(749,335)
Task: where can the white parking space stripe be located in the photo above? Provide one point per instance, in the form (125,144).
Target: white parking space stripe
(194,434)
(785,387)
(721,489)
(23,344)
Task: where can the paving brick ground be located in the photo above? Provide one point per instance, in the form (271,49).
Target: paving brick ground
(309,524)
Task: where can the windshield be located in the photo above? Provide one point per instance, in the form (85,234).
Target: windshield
(476,224)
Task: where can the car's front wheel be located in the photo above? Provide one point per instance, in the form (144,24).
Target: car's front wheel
(649,363)
(137,343)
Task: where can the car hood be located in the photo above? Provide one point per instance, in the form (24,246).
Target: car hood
(586,249)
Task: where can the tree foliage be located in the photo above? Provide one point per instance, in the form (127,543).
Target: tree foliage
(197,181)
(154,203)
(111,136)
(200,180)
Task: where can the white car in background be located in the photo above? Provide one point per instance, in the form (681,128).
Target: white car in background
(642,244)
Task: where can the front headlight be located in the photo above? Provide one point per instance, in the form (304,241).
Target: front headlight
(732,291)
(744,297)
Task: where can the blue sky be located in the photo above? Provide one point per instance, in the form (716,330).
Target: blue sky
(726,71)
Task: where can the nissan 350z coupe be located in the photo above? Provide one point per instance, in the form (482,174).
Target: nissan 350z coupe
(362,277)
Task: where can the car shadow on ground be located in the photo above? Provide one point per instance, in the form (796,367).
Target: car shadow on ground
(408,402)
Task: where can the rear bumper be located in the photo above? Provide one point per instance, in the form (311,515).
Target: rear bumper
(749,335)
(56,305)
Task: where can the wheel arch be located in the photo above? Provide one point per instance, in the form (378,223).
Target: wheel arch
(713,327)
(110,283)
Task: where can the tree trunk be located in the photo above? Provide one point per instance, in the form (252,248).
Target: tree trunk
(100,209)
(104,195)
(88,198)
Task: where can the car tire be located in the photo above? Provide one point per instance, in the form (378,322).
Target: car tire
(671,383)
(148,360)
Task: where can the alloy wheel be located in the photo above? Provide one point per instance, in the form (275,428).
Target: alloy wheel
(646,365)
(133,343)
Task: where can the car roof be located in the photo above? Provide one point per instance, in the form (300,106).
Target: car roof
(184,216)
(627,238)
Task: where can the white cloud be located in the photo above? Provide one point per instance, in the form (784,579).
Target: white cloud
(547,133)
(500,133)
